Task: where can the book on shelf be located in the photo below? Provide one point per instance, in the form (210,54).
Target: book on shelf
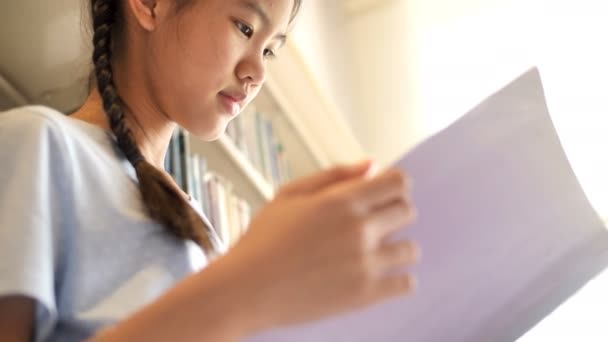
(196,191)
(215,196)
(248,139)
(254,134)
(184,148)
(174,155)
(229,213)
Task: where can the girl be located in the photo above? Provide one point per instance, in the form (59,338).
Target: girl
(96,240)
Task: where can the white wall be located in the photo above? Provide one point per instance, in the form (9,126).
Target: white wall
(43,38)
(406,69)
(321,36)
(358,62)
(460,59)
(385,92)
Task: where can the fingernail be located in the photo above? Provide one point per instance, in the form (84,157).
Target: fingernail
(374,168)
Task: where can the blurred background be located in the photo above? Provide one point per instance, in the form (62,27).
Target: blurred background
(400,70)
(374,78)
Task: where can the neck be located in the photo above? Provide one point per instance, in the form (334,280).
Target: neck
(151,129)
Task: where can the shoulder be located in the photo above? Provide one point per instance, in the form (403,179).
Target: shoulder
(40,129)
(30,118)
(44,139)
(32,153)
(27,127)
(30,128)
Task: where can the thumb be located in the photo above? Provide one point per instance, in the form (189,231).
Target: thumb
(328,177)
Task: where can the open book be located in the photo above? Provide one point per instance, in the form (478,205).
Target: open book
(506,231)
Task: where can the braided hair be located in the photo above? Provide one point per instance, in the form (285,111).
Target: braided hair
(163,201)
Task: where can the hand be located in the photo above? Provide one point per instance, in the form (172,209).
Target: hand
(323,247)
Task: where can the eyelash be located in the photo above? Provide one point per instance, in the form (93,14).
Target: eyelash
(269,54)
(247,31)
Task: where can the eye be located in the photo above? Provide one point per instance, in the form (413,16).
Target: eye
(269,54)
(245,29)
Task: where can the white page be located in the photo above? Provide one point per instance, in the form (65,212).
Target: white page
(506,231)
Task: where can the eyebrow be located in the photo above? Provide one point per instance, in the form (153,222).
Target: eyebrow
(257,8)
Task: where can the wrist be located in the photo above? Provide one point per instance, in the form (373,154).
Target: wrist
(235,289)
(212,305)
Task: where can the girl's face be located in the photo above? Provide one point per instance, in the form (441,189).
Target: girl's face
(208,60)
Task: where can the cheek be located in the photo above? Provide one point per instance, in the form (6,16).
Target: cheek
(193,67)
(189,71)
(201,50)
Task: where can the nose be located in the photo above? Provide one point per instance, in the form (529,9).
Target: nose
(251,70)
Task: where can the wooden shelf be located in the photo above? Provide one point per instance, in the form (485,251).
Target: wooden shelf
(264,188)
(226,160)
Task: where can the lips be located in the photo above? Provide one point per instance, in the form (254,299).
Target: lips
(236,96)
(232,102)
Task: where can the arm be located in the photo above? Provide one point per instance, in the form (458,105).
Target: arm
(318,249)
(208,306)
(199,308)
(16,318)
(282,272)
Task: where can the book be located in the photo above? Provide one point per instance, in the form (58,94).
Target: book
(506,231)
(212,194)
(185,158)
(168,161)
(197,184)
(224,194)
(273,155)
(234,228)
(176,158)
(262,143)
(211,183)
(250,141)
(203,168)
(244,215)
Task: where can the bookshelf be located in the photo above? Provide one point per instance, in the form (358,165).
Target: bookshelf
(309,128)
(261,185)
(304,121)
(224,157)
(313,133)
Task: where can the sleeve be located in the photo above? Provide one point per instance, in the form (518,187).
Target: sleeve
(32,174)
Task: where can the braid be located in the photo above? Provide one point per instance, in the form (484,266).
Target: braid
(163,202)
(103,19)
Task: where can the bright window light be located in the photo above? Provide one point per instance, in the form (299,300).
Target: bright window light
(461,61)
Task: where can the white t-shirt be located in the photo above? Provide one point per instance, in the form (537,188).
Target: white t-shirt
(74,233)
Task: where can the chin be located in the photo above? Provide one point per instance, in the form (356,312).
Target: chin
(208,133)
(215,136)
(206,125)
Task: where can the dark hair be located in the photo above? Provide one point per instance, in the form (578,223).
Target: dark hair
(162,200)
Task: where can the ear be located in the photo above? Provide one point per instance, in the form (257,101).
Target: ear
(148,13)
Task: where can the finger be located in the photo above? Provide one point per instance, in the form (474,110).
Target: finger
(395,286)
(325,178)
(391,218)
(381,190)
(396,255)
